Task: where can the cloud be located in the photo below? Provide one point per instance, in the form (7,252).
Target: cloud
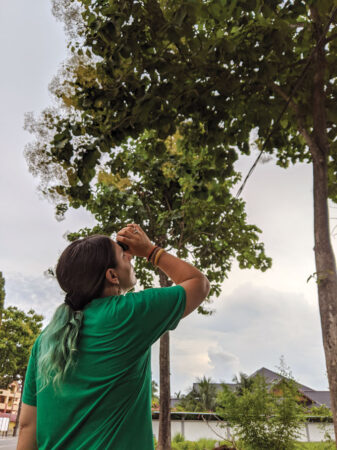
(28,292)
(252,328)
(222,362)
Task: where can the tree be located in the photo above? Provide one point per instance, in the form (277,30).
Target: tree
(201,397)
(263,417)
(163,185)
(18,333)
(2,295)
(243,382)
(229,67)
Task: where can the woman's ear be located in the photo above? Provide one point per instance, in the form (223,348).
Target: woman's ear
(111,277)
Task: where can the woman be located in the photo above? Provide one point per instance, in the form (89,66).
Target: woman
(88,382)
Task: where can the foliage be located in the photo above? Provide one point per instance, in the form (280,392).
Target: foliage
(154,389)
(226,67)
(178,437)
(171,169)
(203,444)
(315,446)
(264,417)
(243,382)
(201,397)
(154,396)
(321,410)
(18,332)
(179,443)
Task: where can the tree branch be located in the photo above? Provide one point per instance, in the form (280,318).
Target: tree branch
(299,116)
(276,88)
(330,38)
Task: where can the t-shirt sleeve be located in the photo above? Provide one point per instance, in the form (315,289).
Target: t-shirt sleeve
(155,311)
(29,389)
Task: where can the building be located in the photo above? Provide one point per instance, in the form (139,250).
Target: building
(312,397)
(9,404)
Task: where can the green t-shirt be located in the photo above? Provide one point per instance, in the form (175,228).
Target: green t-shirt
(105,402)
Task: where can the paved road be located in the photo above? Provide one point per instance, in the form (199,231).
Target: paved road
(8,443)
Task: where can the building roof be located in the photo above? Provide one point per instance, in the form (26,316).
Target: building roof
(272,377)
(318,398)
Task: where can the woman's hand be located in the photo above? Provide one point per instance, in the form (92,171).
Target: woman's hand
(136,239)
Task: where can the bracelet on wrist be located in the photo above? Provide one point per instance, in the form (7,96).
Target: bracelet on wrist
(158,255)
(153,256)
(151,252)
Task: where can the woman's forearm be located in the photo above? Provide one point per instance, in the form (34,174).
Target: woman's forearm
(177,269)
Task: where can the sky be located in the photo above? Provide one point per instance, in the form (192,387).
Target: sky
(258,318)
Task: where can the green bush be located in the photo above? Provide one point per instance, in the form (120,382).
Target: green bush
(178,438)
(265,417)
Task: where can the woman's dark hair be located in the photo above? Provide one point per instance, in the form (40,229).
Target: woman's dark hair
(80,272)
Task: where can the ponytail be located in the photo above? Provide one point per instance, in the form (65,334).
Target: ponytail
(58,345)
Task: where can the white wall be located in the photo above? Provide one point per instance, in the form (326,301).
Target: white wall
(193,430)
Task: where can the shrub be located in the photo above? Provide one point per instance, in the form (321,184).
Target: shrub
(264,417)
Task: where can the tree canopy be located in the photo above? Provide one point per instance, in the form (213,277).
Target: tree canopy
(18,333)
(228,67)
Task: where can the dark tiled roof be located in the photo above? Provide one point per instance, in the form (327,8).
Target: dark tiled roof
(318,397)
(271,377)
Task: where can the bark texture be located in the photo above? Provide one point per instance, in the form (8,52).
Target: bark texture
(324,255)
(326,280)
(164,439)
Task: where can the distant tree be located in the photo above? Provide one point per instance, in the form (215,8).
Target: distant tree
(243,383)
(202,397)
(263,418)
(154,390)
(18,333)
(2,295)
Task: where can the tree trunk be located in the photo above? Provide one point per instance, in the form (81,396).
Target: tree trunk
(19,410)
(324,256)
(326,279)
(164,439)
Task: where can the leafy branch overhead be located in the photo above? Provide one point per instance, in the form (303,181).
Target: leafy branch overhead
(126,148)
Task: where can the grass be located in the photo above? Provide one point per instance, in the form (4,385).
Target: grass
(179,443)
(316,446)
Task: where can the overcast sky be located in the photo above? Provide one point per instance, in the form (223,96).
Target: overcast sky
(257,318)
